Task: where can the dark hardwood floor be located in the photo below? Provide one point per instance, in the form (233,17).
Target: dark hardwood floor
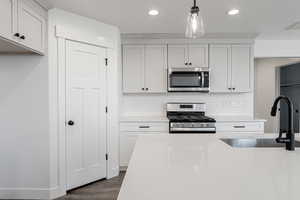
(101,190)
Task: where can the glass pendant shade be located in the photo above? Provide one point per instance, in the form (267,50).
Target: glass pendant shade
(195,25)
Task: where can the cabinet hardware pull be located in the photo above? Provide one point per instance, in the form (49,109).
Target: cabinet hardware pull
(71,123)
(233,88)
(17,34)
(143,88)
(147,89)
(239,126)
(190,63)
(144,126)
(186,63)
(23,37)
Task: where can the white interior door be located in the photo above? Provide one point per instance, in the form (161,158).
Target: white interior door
(86,115)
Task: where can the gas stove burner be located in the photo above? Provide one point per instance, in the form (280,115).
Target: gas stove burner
(189,118)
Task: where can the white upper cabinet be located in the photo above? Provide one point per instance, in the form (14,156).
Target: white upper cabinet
(219,64)
(31,25)
(177,55)
(198,55)
(133,68)
(241,68)
(230,67)
(6,18)
(192,55)
(23,26)
(144,68)
(155,68)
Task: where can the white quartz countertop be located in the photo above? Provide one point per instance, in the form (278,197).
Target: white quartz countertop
(144,119)
(194,167)
(219,118)
(236,118)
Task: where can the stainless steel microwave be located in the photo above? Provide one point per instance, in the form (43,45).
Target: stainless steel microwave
(188,79)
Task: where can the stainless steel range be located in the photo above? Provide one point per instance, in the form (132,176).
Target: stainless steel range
(189,118)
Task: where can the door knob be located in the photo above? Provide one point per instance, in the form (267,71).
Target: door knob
(71,123)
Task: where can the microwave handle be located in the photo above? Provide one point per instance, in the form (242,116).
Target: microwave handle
(202,79)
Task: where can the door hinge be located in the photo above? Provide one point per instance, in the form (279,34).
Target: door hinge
(106,156)
(106,109)
(106,61)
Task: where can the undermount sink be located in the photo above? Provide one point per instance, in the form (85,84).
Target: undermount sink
(255,143)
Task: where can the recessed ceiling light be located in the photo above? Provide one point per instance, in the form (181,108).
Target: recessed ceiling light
(233,12)
(153,12)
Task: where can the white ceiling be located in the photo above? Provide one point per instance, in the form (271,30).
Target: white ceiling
(131,16)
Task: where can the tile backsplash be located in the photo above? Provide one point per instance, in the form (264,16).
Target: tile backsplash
(217,104)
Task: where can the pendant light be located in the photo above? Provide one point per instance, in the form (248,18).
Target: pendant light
(195,26)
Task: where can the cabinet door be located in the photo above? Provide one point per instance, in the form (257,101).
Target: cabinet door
(241,68)
(177,55)
(127,143)
(133,69)
(6,18)
(219,64)
(31,25)
(155,68)
(198,55)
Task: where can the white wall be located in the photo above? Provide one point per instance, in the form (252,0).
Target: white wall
(217,104)
(83,26)
(24,133)
(276,48)
(265,88)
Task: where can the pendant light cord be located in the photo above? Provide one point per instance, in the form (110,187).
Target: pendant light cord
(194,3)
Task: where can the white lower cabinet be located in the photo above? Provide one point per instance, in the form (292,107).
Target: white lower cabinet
(130,131)
(240,127)
(127,142)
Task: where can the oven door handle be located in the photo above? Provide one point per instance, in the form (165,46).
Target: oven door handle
(199,130)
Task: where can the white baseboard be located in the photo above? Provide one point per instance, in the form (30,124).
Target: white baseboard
(57,192)
(31,193)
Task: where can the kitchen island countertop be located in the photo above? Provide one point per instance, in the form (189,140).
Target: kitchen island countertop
(193,167)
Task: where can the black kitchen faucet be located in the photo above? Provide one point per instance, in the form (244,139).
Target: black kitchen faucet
(289,140)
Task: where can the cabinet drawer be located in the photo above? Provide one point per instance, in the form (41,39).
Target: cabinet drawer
(240,127)
(144,127)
